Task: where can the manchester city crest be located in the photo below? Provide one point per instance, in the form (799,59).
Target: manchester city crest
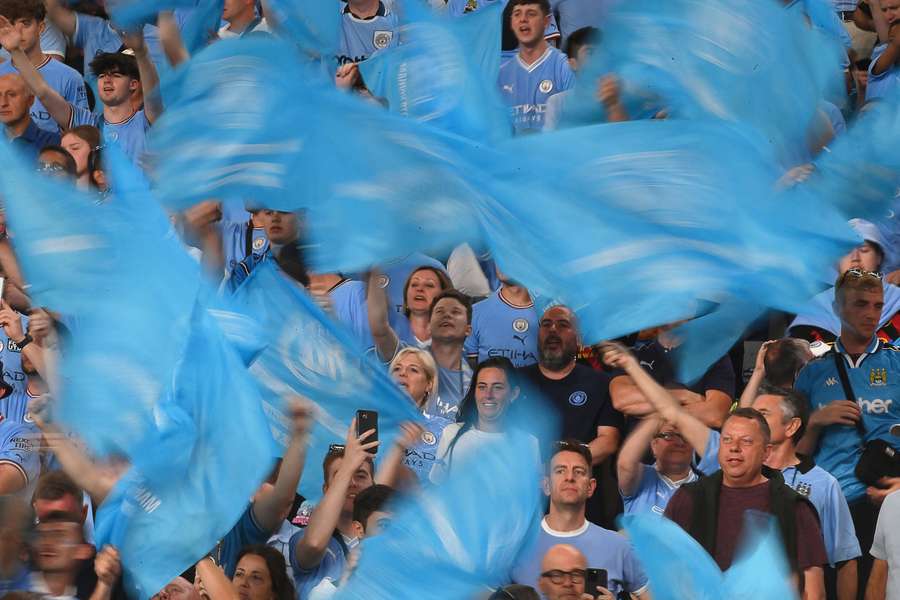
(804,489)
(381,39)
(546,86)
(383,281)
(520,325)
(258,243)
(429,438)
(577,398)
(878,377)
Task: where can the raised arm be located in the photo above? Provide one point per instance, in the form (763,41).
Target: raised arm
(693,430)
(391,471)
(56,105)
(270,505)
(62,16)
(170,39)
(311,547)
(108,567)
(386,340)
(756,379)
(153,107)
(11,322)
(214,581)
(628,466)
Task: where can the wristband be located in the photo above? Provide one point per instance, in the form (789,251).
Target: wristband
(25,341)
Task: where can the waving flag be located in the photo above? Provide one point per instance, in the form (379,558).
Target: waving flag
(678,567)
(444,72)
(310,355)
(698,59)
(119,271)
(187,515)
(128,14)
(455,545)
(313,25)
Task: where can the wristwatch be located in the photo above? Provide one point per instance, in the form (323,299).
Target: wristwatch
(25,341)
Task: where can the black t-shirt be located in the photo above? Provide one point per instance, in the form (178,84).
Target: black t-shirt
(581,400)
(656,361)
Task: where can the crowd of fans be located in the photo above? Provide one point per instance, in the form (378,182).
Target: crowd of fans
(803,427)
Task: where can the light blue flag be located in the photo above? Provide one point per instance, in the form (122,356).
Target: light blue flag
(213,142)
(698,59)
(314,26)
(202,25)
(128,14)
(120,272)
(444,72)
(184,517)
(460,538)
(678,567)
(311,355)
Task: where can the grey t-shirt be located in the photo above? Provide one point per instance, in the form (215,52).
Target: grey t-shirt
(886,545)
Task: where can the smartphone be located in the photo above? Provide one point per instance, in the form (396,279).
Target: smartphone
(594,578)
(366,420)
(2,286)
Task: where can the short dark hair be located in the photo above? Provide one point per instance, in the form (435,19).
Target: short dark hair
(372,499)
(793,404)
(444,280)
(282,586)
(580,38)
(753,415)
(544,4)
(784,359)
(456,295)
(55,485)
(62,516)
(23,9)
(71,167)
(571,445)
(107,63)
(333,456)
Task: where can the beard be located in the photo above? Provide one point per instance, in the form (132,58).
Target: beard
(557,360)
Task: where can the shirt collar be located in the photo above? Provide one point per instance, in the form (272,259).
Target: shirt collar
(573,533)
(382,11)
(870,349)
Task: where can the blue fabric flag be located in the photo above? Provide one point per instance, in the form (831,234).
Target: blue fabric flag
(120,272)
(459,538)
(202,25)
(311,355)
(314,26)
(697,59)
(678,567)
(128,14)
(444,72)
(187,515)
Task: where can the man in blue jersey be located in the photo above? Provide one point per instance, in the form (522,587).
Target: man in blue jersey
(366,27)
(884,70)
(283,232)
(504,324)
(537,72)
(320,550)
(839,425)
(241,18)
(20,462)
(15,116)
(118,76)
(569,485)
(27,18)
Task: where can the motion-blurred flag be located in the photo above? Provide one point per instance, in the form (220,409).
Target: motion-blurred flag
(310,355)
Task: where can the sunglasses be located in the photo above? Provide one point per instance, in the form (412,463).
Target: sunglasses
(336,449)
(855,273)
(669,436)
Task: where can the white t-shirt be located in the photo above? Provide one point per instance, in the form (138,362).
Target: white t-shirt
(467,446)
(886,545)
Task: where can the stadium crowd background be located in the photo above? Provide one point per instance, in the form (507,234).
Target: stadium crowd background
(769,427)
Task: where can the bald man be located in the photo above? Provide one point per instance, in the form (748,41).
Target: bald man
(15,106)
(563,573)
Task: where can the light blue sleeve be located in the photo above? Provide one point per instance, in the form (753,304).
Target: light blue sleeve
(82,116)
(635,578)
(709,462)
(837,527)
(95,33)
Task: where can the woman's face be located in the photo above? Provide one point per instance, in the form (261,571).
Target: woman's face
(79,149)
(493,394)
(863,257)
(424,285)
(409,373)
(252,580)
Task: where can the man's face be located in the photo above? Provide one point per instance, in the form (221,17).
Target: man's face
(582,55)
(557,338)
(59,546)
(67,503)
(528,23)
(742,452)
(281,227)
(234,9)
(672,453)
(860,311)
(562,574)
(770,407)
(449,321)
(361,480)
(891,11)
(115,88)
(15,100)
(30,30)
(177,589)
(570,482)
(377,522)
(864,256)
